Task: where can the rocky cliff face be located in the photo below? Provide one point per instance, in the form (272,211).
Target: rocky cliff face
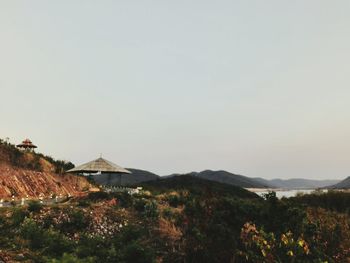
(22,183)
(27,174)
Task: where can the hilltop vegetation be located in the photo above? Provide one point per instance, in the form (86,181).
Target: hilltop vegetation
(179,219)
(11,155)
(30,174)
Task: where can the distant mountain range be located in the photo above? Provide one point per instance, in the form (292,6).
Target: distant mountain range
(138,176)
(249,182)
(297,183)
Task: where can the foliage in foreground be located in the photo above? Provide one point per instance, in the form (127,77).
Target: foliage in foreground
(175,225)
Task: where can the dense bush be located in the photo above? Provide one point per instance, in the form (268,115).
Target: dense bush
(34,206)
(175,200)
(98,196)
(69,258)
(18,216)
(33,233)
(124,199)
(333,200)
(137,253)
(139,204)
(151,209)
(76,221)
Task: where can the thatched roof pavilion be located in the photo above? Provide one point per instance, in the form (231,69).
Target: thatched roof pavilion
(27,144)
(101,168)
(99,165)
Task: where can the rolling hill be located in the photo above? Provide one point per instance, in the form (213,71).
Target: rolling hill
(138,176)
(226,178)
(196,185)
(29,174)
(230,178)
(345,184)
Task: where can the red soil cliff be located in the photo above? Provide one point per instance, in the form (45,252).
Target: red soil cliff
(22,183)
(29,174)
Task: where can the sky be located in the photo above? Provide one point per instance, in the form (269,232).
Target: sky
(259,88)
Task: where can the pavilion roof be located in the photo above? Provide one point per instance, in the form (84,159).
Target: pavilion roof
(27,144)
(99,165)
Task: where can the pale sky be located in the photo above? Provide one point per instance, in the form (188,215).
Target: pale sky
(259,88)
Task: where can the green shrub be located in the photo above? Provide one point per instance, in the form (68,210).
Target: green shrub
(84,203)
(33,233)
(95,246)
(136,253)
(151,209)
(98,196)
(77,221)
(139,205)
(128,234)
(124,199)
(34,206)
(175,200)
(56,244)
(69,258)
(18,216)
(168,213)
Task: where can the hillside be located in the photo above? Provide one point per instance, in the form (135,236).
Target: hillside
(30,174)
(345,184)
(264,182)
(12,156)
(22,183)
(196,185)
(227,178)
(137,176)
(230,178)
(179,219)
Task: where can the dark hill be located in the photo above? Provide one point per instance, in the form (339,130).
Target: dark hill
(232,179)
(345,184)
(265,182)
(196,185)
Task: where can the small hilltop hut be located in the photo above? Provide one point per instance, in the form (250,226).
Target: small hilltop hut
(102,170)
(27,145)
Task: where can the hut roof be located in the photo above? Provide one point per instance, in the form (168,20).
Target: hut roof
(27,144)
(99,165)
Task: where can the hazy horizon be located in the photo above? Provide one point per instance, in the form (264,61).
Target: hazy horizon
(258,88)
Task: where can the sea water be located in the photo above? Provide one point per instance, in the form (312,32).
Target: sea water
(286,192)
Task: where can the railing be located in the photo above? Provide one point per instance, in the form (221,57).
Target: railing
(43,200)
(122,189)
(59,198)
